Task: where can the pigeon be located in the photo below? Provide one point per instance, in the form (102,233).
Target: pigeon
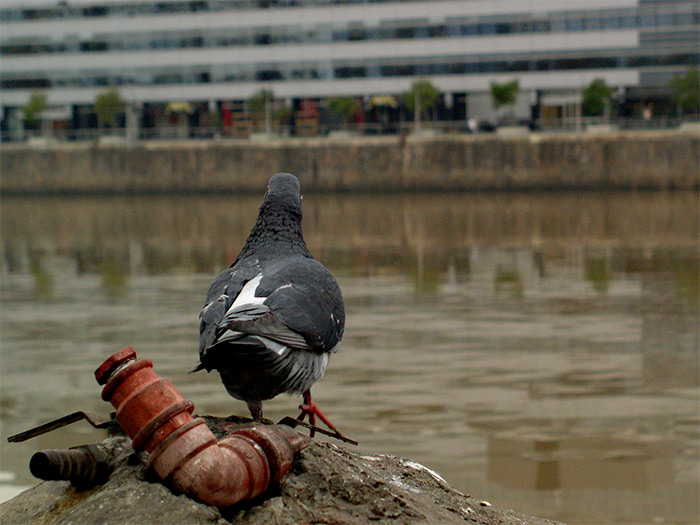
(274,317)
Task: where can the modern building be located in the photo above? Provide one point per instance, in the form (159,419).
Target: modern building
(209,56)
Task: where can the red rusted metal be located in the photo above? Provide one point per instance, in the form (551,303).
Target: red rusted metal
(182,450)
(117,359)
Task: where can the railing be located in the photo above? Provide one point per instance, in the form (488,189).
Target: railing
(622,123)
(122,135)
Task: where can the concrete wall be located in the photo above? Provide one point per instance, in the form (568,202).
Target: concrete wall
(659,160)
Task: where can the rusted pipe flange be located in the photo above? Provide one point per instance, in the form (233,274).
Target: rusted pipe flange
(256,463)
(180,446)
(114,361)
(126,372)
(279,443)
(162,425)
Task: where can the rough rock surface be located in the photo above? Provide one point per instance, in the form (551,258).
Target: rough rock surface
(327,484)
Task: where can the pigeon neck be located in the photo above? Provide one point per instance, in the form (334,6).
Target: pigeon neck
(276,232)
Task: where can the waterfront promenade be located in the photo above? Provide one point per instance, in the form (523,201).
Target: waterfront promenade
(522,161)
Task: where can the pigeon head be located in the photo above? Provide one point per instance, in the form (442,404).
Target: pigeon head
(285,189)
(278,227)
(282,200)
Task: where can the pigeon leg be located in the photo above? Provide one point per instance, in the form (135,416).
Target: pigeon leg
(310,408)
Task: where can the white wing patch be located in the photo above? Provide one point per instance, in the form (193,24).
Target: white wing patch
(233,335)
(276,347)
(247,295)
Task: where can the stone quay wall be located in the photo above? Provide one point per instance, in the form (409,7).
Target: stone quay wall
(619,160)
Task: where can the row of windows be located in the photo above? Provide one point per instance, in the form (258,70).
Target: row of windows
(65,10)
(237,74)
(669,37)
(610,20)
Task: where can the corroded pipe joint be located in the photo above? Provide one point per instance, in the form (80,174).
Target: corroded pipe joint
(84,466)
(183,451)
(149,408)
(221,474)
(279,443)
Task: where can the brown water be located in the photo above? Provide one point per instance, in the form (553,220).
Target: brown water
(539,351)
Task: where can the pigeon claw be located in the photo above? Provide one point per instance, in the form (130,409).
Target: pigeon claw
(310,409)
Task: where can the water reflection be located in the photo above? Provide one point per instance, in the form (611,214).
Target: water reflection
(523,460)
(413,234)
(540,351)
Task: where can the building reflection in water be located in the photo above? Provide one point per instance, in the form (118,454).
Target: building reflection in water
(540,351)
(523,460)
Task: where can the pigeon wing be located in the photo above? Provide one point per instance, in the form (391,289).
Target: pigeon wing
(221,295)
(305,297)
(259,319)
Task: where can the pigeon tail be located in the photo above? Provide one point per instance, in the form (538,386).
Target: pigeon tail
(197,368)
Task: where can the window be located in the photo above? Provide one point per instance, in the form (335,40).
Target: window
(356,33)
(503,29)
(90,47)
(268,75)
(350,72)
(95,11)
(405,32)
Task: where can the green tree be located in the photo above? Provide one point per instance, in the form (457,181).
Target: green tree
(108,104)
(283,115)
(596,98)
(33,109)
(260,99)
(261,106)
(504,94)
(422,94)
(345,108)
(686,91)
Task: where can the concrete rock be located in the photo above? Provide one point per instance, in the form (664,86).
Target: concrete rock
(327,484)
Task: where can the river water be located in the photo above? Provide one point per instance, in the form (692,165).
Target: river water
(539,351)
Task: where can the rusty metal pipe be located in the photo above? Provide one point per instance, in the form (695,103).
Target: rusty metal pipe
(84,466)
(183,451)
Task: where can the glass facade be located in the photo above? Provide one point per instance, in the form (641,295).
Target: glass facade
(313,70)
(215,51)
(673,17)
